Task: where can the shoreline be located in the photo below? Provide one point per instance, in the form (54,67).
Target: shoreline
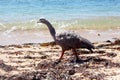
(97,23)
(95,29)
(41,36)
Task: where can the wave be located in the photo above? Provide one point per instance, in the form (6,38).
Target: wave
(94,23)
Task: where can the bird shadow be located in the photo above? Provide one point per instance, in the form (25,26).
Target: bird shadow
(80,61)
(72,60)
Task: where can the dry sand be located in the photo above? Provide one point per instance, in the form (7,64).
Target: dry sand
(34,61)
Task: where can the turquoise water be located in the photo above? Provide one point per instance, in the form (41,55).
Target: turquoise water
(18,18)
(15,10)
(23,14)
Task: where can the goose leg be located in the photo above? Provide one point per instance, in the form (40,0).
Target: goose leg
(58,61)
(61,55)
(76,55)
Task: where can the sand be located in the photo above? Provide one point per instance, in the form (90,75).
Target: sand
(9,37)
(36,61)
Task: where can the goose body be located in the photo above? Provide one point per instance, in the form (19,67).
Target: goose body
(68,40)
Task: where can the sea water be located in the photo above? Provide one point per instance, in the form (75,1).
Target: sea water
(31,10)
(21,15)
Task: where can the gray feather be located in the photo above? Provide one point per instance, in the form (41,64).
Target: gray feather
(69,40)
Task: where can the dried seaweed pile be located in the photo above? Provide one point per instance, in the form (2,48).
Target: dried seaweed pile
(37,62)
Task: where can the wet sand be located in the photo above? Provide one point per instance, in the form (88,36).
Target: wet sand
(39,36)
(36,61)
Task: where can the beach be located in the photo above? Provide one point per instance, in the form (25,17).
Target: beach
(36,61)
(32,55)
(28,52)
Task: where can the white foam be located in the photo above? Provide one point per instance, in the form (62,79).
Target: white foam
(2,25)
(63,25)
(7,32)
(11,30)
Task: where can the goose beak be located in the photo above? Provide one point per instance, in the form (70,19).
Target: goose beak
(39,21)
